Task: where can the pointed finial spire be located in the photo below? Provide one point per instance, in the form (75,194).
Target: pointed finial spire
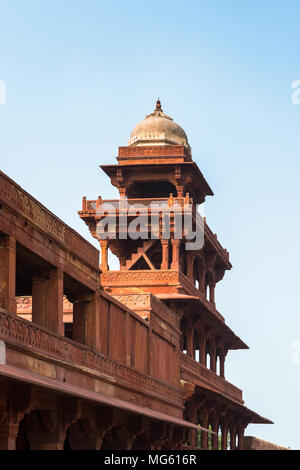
(158,105)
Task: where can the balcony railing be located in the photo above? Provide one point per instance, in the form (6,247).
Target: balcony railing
(199,374)
(89,208)
(140,203)
(34,339)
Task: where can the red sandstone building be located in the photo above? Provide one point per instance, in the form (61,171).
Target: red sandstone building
(128,359)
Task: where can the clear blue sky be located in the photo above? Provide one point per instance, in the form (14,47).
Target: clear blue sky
(81,74)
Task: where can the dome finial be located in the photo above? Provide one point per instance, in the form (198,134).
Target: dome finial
(158,105)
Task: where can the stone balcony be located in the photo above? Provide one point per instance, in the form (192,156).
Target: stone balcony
(174,286)
(159,282)
(195,373)
(148,206)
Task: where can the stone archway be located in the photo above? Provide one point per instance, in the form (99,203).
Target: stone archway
(141,442)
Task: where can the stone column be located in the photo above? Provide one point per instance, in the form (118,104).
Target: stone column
(202,347)
(213,356)
(39,289)
(54,301)
(240,433)
(222,363)
(8,434)
(215,427)
(224,438)
(92,311)
(204,434)
(8,274)
(190,342)
(232,430)
(202,275)
(189,265)
(104,255)
(165,254)
(122,260)
(212,286)
(175,254)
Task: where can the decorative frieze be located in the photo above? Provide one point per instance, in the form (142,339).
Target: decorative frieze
(21,202)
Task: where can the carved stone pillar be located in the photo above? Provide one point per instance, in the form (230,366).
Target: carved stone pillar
(104,255)
(224,436)
(204,434)
(191,414)
(202,347)
(190,342)
(232,430)
(212,286)
(8,273)
(222,362)
(215,427)
(165,254)
(175,254)
(202,275)
(189,265)
(240,433)
(213,356)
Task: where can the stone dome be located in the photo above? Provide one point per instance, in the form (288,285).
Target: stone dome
(158,129)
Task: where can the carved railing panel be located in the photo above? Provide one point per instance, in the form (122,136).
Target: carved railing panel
(141,277)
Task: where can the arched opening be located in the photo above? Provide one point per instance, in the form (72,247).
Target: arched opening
(208,360)
(206,287)
(115,439)
(67,442)
(196,347)
(207,355)
(218,365)
(141,442)
(196,273)
(22,442)
(183,338)
(210,440)
(219,438)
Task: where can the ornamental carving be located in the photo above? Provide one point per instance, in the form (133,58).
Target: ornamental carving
(134,301)
(130,276)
